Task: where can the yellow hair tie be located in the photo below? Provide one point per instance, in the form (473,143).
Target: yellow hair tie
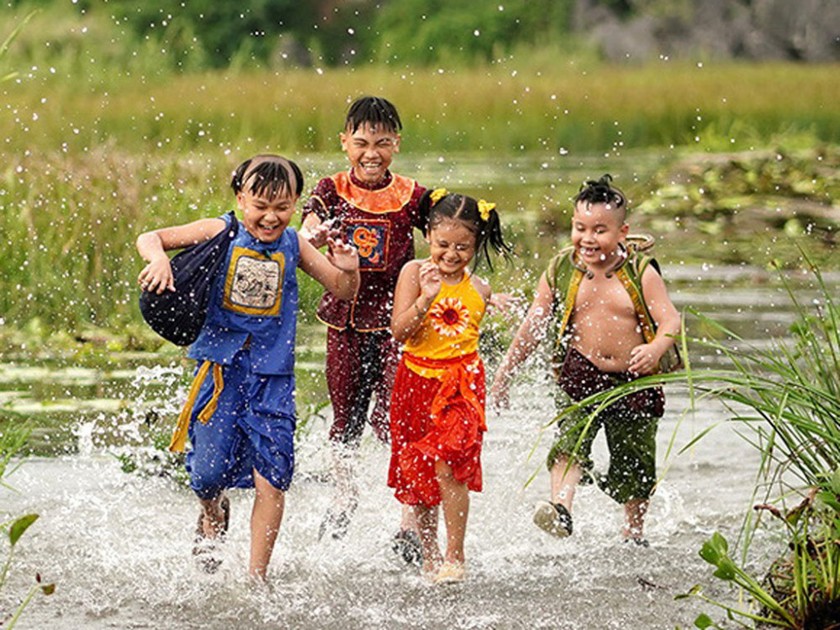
(484,208)
(438,194)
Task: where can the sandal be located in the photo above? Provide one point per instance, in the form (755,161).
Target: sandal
(553,518)
(406,544)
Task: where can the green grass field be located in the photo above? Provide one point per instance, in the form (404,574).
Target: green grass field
(90,158)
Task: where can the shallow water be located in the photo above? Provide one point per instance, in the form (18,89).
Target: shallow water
(118,546)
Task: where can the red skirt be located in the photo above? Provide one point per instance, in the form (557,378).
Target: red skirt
(434,420)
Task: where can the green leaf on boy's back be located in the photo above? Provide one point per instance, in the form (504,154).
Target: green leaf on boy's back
(20,526)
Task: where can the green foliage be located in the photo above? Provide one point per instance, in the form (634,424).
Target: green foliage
(12,440)
(772,199)
(4,46)
(440,32)
(19,527)
(199,33)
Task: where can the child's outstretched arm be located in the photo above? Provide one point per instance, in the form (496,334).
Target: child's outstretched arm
(418,285)
(530,333)
(337,270)
(152,246)
(645,357)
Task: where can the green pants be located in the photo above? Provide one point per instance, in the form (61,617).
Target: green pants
(629,424)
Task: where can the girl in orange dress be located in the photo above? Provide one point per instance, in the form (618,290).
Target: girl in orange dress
(438,399)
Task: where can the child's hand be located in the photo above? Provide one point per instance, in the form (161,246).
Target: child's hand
(342,255)
(319,235)
(498,394)
(157,276)
(430,280)
(644,359)
(505,303)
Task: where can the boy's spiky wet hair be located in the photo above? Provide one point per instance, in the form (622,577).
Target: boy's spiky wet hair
(267,175)
(375,111)
(602,191)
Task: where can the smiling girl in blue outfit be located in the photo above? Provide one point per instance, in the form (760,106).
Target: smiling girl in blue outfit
(241,422)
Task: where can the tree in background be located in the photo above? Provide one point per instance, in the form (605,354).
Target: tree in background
(216,31)
(333,32)
(429,31)
(199,34)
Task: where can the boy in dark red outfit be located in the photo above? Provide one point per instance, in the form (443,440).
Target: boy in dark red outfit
(376,211)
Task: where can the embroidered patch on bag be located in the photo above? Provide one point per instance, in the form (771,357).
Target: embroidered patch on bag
(254,282)
(371,238)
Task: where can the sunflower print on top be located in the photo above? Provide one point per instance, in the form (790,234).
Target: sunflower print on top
(450,327)
(449,317)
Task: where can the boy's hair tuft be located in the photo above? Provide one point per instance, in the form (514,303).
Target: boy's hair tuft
(375,111)
(267,175)
(602,191)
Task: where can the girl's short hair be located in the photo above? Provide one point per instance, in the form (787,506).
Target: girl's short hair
(602,191)
(267,175)
(375,111)
(437,205)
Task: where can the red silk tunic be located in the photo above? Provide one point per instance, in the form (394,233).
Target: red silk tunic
(379,221)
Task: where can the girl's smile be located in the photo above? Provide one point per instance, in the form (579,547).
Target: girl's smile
(451,248)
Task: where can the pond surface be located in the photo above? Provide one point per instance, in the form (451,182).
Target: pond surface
(118,544)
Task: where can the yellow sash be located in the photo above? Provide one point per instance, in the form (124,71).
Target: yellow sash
(179,437)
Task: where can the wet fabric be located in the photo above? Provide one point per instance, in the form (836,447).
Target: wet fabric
(450,327)
(254,300)
(360,366)
(179,316)
(252,428)
(629,424)
(379,220)
(436,419)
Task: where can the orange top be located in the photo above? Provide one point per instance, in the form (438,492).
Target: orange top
(449,329)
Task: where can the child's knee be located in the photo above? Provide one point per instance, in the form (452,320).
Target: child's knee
(443,472)
(557,456)
(206,486)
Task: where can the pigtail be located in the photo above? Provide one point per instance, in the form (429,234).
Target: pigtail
(493,238)
(480,216)
(490,233)
(424,209)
